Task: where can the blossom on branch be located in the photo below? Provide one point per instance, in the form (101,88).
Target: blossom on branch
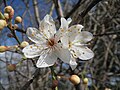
(47,45)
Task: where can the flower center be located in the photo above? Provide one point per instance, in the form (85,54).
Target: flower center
(51,42)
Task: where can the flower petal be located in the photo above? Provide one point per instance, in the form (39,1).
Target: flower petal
(63,54)
(34,35)
(47,26)
(73,31)
(73,63)
(46,60)
(65,41)
(83,52)
(69,20)
(84,37)
(64,24)
(32,51)
(63,28)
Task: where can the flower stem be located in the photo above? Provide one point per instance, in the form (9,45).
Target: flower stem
(53,76)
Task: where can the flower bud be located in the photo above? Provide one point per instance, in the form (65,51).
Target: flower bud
(3,48)
(54,83)
(18,19)
(6,15)
(11,67)
(15,26)
(74,79)
(11,14)
(3,23)
(108,89)
(8,9)
(24,44)
(85,81)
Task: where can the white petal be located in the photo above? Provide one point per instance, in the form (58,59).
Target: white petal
(64,24)
(69,20)
(63,54)
(34,35)
(84,37)
(65,41)
(32,51)
(46,60)
(83,52)
(73,63)
(47,26)
(63,28)
(73,31)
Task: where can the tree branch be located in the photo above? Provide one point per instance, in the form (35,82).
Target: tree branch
(36,11)
(27,84)
(105,34)
(74,9)
(90,6)
(4,1)
(58,9)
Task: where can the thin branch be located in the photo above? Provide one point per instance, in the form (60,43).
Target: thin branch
(13,32)
(4,1)
(1,87)
(36,11)
(105,34)
(20,30)
(58,9)
(74,9)
(27,84)
(87,9)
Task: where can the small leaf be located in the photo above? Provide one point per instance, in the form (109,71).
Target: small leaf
(1,16)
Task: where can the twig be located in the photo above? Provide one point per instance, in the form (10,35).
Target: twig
(36,11)
(87,9)
(58,8)
(20,30)
(1,87)
(77,87)
(105,34)
(5,3)
(74,9)
(27,84)
(21,74)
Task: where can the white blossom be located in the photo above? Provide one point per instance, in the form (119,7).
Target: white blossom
(47,44)
(75,40)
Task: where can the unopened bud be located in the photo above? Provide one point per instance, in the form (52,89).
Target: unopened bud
(11,14)
(54,83)
(108,89)
(15,26)
(8,9)
(11,67)
(74,79)
(6,15)
(85,81)
(3,23)
(24,44)
(18,19)
(3,48)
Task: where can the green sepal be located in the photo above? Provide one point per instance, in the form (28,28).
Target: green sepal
(2,16)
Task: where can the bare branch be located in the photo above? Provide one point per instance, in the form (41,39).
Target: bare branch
(87,9)
(74,9)
(58,8)
(36,11)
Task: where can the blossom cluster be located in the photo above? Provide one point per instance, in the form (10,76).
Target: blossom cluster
(67,43)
